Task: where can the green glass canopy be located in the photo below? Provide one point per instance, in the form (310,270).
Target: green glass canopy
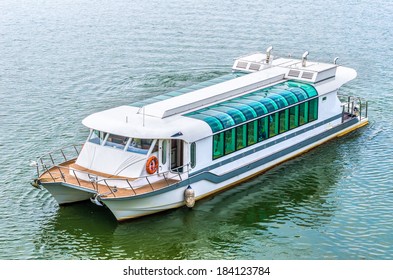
(253,105)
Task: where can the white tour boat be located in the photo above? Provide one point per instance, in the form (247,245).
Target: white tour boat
(174,149)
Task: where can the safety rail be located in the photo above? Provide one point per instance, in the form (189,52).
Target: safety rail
(180,170)
(57,157)
(353,107)
(70,175)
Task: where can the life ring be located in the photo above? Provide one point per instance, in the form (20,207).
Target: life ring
(152,165)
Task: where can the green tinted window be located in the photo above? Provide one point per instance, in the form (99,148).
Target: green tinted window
(252,133)
(293,117)
(284,121)
(241,137)
(273,125)
(303,113)
(263,126)
(313,110)
(218,145)
(230,141)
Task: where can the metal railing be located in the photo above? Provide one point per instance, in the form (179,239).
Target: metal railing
(57,157)
(111,183)
(353,107)
(53,162)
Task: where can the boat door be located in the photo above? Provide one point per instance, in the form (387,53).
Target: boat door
(163,155)
(177,155)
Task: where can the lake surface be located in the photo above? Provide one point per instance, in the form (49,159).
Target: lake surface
(63,60)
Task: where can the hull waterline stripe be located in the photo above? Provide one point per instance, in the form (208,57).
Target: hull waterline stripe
(209,176)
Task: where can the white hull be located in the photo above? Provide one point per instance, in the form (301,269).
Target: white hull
(66,193)
(133,207)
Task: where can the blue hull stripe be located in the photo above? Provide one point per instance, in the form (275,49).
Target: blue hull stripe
(206,175)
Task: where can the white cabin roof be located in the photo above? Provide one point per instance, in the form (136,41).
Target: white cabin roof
(126,121)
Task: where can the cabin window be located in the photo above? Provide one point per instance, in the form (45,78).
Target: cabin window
(284,121)
(241,137)
(263,125)
(140,146)
(252,133)
(218,145)
(164,151)
(313,110)
(116,141)
(273,125)
(193,154)
(229,141)
(97,137)
(293,117)
(303,113)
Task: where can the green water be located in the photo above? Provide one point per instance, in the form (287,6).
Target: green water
(63,60)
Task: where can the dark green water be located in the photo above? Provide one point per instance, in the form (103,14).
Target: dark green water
(63,60)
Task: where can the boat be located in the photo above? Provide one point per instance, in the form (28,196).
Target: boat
(174,149)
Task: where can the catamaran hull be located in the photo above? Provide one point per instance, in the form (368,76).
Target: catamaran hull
(66,193)
(208,183)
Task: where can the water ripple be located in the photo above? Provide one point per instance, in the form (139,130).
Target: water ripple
(61,62)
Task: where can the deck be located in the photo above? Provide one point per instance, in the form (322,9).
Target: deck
(61,174)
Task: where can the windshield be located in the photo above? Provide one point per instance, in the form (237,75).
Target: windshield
(140,146)
(97,137)
(135,145)
(116,141)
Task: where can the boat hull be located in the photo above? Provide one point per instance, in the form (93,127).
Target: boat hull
(208,183)
(65,193)
(125,208)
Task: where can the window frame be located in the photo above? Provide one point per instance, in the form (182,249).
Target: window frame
(193,154)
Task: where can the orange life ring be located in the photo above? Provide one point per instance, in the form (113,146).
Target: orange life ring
(152,165)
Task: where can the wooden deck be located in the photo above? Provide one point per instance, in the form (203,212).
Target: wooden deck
(61,173)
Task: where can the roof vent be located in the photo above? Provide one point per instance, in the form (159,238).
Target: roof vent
(293,73)
(242,64)
(254,66)
(304,59)
(307,75)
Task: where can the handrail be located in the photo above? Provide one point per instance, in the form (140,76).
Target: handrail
(354,106)
(57,157)
(94,180)
(178,172)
